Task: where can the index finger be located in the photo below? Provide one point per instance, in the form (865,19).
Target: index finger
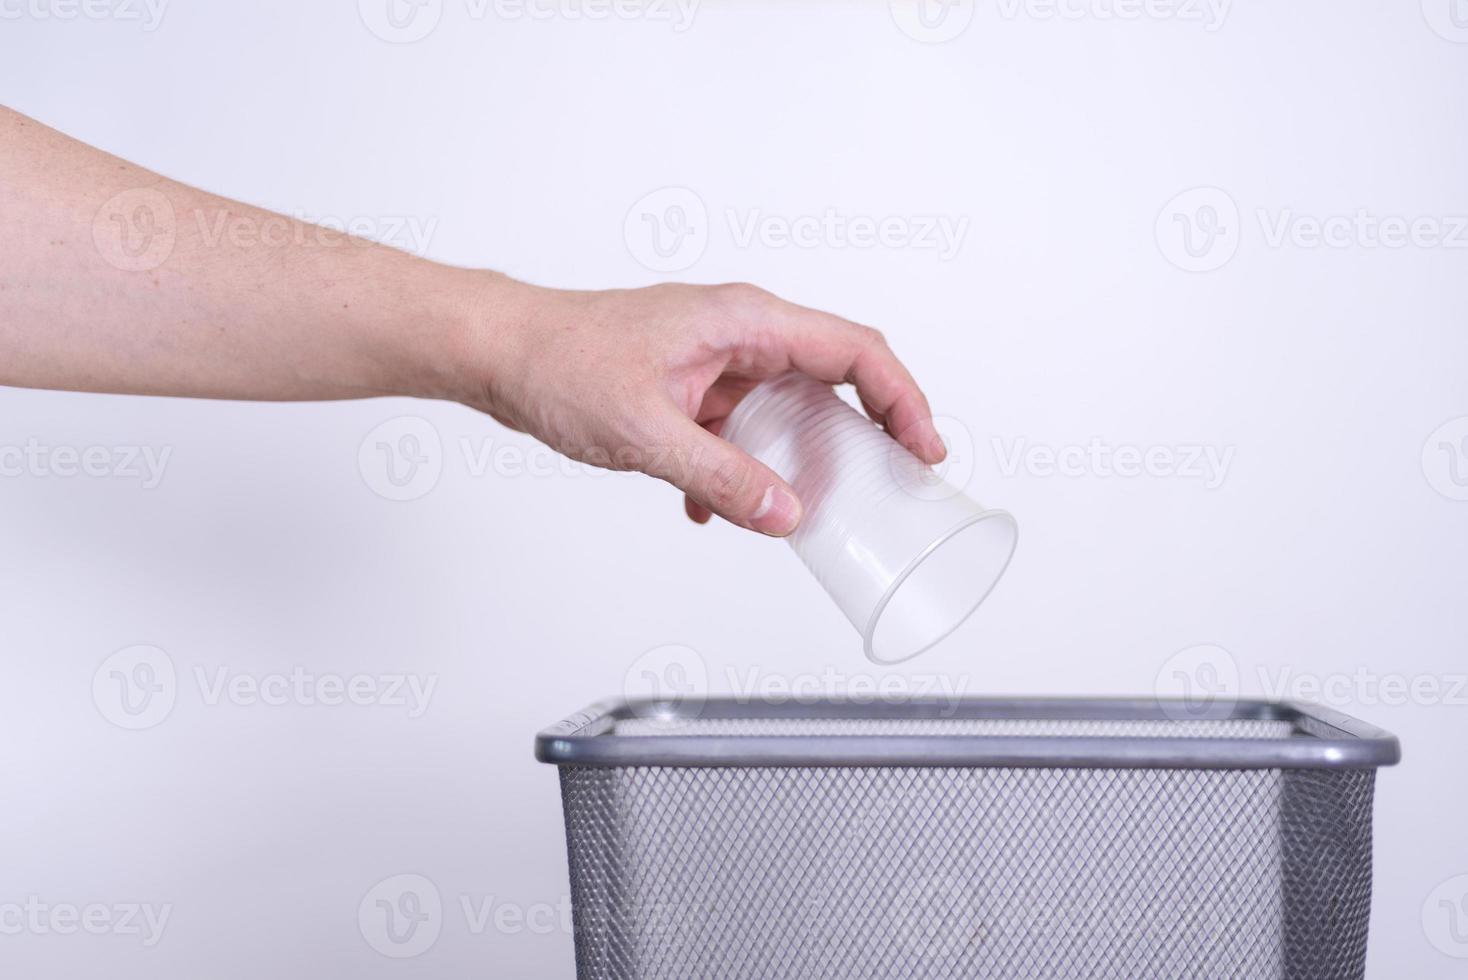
(838,351)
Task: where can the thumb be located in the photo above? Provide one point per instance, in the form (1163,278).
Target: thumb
(726,480)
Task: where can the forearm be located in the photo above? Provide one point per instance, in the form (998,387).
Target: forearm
(115,279)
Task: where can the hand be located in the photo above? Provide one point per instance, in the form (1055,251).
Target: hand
(643,379)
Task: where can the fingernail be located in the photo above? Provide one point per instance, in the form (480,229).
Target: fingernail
(777,514)
(937,449)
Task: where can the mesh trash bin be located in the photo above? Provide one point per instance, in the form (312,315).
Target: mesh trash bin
(980,838)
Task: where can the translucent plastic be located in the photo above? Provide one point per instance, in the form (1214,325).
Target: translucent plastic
(905,555)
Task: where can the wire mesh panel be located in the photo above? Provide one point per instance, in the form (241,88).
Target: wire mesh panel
(768,872)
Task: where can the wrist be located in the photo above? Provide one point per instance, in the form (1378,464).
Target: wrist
(475,321)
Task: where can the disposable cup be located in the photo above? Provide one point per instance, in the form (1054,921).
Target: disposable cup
(905,555)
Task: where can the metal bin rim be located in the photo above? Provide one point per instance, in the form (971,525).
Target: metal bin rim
(1343,742)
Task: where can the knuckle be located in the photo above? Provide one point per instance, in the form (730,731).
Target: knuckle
(740,289)
(726,485)
(739,295)
(634,440)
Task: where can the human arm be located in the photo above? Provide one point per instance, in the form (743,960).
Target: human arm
(115,279)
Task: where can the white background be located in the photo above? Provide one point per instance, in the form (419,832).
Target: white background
(1333,547)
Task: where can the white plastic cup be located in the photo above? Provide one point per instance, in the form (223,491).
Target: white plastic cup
(905,555)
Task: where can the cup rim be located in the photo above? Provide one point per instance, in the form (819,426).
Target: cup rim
(870,630)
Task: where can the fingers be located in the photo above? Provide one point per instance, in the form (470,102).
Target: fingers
(720,478)
(721,398)
(697,513)
(837,350)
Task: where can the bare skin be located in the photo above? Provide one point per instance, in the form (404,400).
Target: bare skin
(114,279)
